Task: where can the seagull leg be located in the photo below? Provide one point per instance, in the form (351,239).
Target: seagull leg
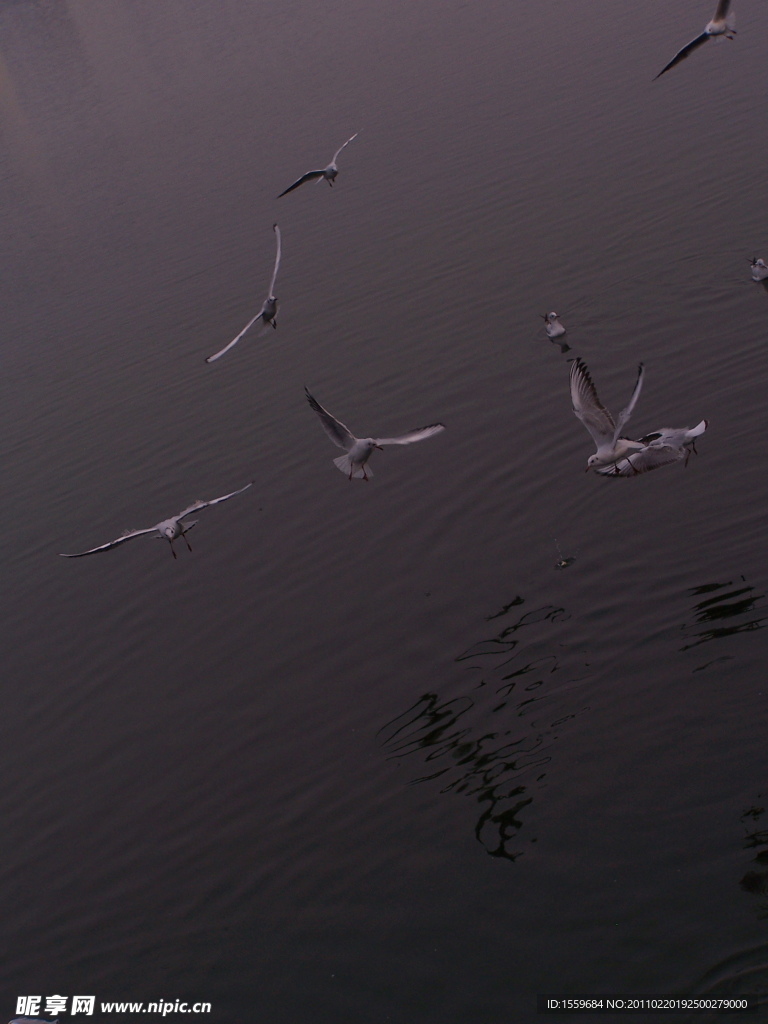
(172,551)
(184,535)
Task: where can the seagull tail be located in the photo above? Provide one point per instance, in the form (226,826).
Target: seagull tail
(344,463)
(697,430)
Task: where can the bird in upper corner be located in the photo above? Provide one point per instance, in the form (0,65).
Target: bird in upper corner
(720,25)
(360,449)
(328,173)
(268,311)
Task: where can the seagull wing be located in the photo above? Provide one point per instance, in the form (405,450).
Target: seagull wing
(626,413)
(420,434)
(643,461)
(197,505)
(218,355)
(277,262)
(338,433)
(588,407)
(686,50)
(112,543)
(305,177)
(336,154)
(722,10)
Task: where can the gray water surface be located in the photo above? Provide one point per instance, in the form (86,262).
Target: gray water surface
(365,754)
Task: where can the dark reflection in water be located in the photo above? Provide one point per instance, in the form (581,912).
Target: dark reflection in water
(755,879)
(729,609)
(746,971)
(488,758)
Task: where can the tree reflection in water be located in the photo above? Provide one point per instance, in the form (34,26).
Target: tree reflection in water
(731,609)
(453,737)
(755,880)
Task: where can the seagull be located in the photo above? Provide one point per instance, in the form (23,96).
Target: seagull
(719,26)
(554,328)
(267,312)
(598,421)
(171,529)
(663,446)
(759,270)
(329,172)
(359,449)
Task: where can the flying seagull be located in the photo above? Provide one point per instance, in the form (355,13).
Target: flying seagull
(663,446)
(719,26)
(268,311)
(171,529)
(554,328)
(598,421)
(759,269)
(360,449)
(621,456)
(329,172)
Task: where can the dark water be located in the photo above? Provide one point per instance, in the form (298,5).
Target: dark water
(365,754)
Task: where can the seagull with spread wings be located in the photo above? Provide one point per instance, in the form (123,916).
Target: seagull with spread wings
(268,311)
(169,529)
(598,421)
(621,456)
(360,449)
(329,172)
(719,26)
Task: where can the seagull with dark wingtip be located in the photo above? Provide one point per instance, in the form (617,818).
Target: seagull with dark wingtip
(719,26)
(328,173)
(360,449)
(169,529)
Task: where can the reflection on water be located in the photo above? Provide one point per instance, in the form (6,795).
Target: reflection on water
(755,879)
(488,758)
(732,608)
(745,972)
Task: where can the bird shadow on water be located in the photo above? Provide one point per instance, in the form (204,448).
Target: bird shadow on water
(493,741)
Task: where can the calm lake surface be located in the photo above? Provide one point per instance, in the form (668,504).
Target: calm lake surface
(365,755)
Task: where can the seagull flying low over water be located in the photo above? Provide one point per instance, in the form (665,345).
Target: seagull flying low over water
(170,529)
(663,446)
(268,311)
(759,269)
(554,328)
(329,172)
(620,456)
(719,26)
(360,449)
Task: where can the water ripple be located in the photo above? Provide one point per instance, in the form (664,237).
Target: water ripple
(486,758)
